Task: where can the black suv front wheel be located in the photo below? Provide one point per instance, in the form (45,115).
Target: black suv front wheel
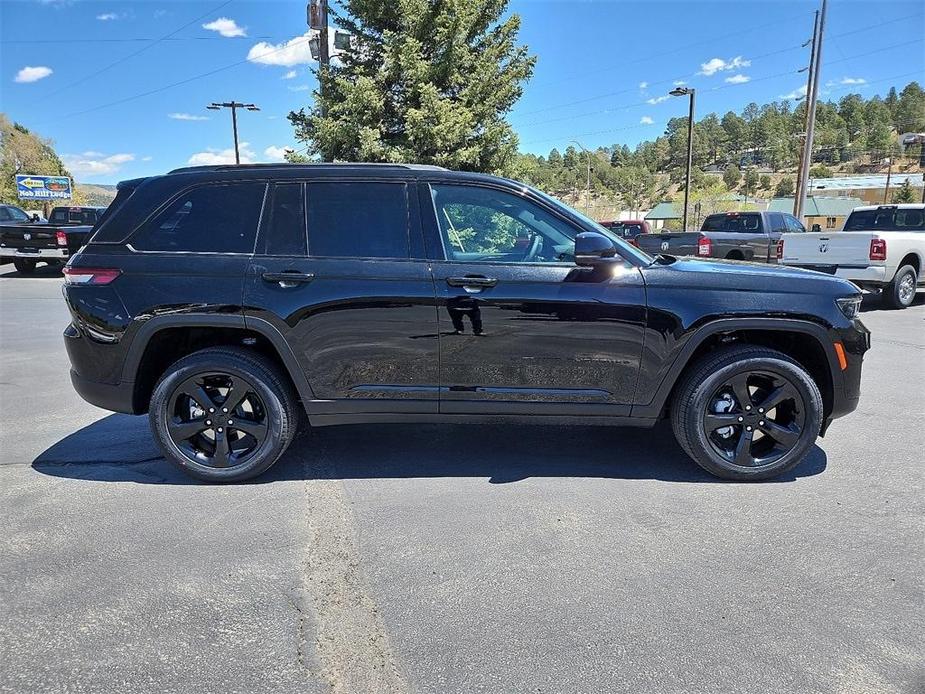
(747,413)
(223,414)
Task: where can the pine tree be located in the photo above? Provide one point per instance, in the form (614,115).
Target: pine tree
(425,81)
(904,193)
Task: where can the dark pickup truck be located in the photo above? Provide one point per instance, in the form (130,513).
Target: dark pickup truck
(732,235)
(51,242)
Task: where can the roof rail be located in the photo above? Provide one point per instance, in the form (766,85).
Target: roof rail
(279,165)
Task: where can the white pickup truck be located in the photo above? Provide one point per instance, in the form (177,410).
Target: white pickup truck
(882,247)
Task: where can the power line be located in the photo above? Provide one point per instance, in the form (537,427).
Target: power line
(139,51)
(140,39)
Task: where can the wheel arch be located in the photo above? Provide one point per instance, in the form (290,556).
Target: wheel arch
(807,343)
(162,340)
(914,259)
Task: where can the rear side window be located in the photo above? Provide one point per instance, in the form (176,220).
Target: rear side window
(283,230)
(219,218)
(358,220)
(748,223)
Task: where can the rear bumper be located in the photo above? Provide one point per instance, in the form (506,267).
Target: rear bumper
(39,254)
(872,274)
(114,397)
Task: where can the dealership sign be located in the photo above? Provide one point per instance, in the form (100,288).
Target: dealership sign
(42,187)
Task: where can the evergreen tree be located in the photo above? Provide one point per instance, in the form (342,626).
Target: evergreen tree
(785,188)
(904,193)
(424,81)
(731,176)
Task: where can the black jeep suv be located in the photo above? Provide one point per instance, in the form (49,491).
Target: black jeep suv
(223,300)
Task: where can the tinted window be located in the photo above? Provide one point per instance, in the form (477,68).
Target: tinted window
(777,222)
(284,221)
(793,224)
(4,214)
(886,219)
(206,219)
(624,230)
(484,224)
(358,220)
(749,223)
(18,215)
(75,215)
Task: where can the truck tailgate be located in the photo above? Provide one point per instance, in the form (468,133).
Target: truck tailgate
(843,249)
(28,236)
(672,242)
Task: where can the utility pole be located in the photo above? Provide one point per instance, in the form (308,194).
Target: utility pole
(889,172)
(687,91)
(798,192)
(234,106)
(588,189)
(317,12)
(812,94)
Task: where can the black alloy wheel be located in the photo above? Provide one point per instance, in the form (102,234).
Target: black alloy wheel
(217,419)
(746,412)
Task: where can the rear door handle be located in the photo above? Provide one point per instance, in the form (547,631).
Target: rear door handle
(288,278)
(480,282)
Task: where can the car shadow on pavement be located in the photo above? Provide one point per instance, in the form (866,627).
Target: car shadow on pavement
(7,271)
(874,302)
(119,448)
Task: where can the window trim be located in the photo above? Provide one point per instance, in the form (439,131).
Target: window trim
(266,218)
(524,194)
(183,191)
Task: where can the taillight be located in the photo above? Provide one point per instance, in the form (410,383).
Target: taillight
(878,249)
(60,238)
(704,247)
(780,249)
(89,275)
(634,242)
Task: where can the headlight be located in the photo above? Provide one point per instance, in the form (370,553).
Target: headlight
(849,305)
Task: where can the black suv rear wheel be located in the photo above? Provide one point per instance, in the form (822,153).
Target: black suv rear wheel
(223,414)
(747,413)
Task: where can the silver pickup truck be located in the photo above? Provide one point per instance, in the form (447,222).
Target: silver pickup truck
(732,235)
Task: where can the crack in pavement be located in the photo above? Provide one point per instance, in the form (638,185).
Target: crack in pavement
(352,648)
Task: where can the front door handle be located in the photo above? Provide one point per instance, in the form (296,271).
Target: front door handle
(288,278)
(472,282)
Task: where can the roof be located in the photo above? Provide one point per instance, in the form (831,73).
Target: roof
(864,182)
(664,210)
(327,165)
(901,206)
(818,206)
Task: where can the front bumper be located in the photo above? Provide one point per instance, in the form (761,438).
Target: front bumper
(39,254)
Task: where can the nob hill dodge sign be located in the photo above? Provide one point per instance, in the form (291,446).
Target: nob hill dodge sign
(43,187)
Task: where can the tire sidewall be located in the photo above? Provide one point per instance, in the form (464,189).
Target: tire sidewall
(895,298)
(812,405)
(268,452)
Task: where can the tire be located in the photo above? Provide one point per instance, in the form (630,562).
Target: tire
(900,293)
(704,400)
(190,393)
(24,266)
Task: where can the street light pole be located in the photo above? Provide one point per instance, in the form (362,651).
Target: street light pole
(234,106)
(687,91)
(588,188)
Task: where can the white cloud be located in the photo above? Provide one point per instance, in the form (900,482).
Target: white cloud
(853,80)
(186,116)
(226,27)
(290,75)
(797,93)
(95,163)
(295,51)
(274,153)
(714,65)
(738,79)
(643,85)
(679,83)
(646,120)
(107,16)
(213,156)
(299,88)
(657,99)
(32,74)
(147,158)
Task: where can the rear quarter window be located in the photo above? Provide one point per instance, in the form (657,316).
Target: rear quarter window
(213,218)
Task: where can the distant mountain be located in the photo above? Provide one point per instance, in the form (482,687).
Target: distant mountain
(96,194)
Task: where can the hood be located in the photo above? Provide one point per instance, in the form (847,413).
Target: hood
(759,277)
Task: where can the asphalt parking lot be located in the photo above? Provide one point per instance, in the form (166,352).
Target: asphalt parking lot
(454,559)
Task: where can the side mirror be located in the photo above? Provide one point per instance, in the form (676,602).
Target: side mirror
(593,249)
(35,218)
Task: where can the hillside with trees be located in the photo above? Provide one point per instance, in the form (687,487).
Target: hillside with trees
(751,153)
(24,152)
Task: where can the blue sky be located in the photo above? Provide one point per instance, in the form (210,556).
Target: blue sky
(603,72)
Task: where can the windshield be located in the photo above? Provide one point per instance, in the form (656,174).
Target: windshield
(886,219)
(731,222)
(626,250)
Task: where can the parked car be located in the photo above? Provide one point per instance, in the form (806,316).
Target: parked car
(880,248)
(10,214)
(52,242)
(220,300)
(749,236)
(628,229)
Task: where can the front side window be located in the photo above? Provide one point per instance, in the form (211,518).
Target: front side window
(358,220)
(485,224)
(218,218)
